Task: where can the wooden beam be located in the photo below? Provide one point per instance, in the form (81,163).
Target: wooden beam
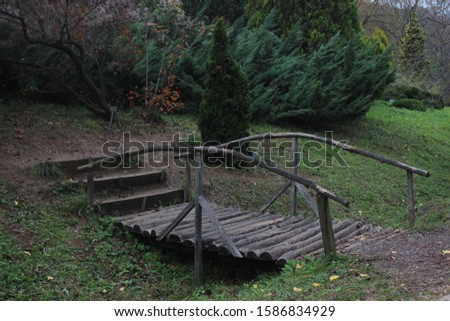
(332,142)
(302,189)
(294,157)
(326,226)
(198,246)
(176,221)
(187,182)
(90,185)
(411,200)
(275,196)
(218,227)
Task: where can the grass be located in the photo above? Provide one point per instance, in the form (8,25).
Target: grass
(377,192)
(60,250)
(47,170)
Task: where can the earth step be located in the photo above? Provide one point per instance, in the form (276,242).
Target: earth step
(140,203)
(121,180)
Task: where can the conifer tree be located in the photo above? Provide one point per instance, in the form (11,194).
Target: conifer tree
(224,111)
(413,48)
(319,20)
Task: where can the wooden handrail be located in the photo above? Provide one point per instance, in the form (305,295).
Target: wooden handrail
(332,142)
(223,151)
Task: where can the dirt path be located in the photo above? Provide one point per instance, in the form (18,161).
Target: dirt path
(416,261)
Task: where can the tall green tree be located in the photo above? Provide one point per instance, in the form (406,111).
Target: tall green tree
(319,20)
(413,48)
(224,112)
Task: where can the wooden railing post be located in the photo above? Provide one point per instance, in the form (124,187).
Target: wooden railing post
(90,185)
(411,200)
(198,258)
(294,171)
(187,182)
(326,226)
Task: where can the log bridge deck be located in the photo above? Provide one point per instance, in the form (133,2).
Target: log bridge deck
(265,237)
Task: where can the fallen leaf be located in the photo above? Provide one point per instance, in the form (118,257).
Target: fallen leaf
(299,266)
(49,278)
(122,289)
(364,275)
(255,286)
(104,291)
(316,285)
(334,277)
(360,212)
(26,253)
(394,252)
(362,238)
(16,203)
(446,252)
(297,290)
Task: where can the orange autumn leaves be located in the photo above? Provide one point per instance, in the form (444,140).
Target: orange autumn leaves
(165,100)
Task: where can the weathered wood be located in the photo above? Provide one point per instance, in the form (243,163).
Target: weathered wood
(187,182)
(301,233)
(198,255)
(268,232)
(294,157)
(177,221)
(248,159)
(275,196)
(309,200)
(270,254)
(90,186)
(134,203)
(326,226)
(332,142)
(411,200)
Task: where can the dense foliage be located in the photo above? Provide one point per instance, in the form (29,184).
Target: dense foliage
(210,9)
(337,82)
(318,20)
(224,112)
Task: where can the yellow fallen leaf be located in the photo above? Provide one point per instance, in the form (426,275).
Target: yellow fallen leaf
(16,203)
(26,253)
(394,252)
(299,266)
(334,277)
(362,238)
(255,286)
(49,278)
(360,212)
(316,285)
(446,252)
(364,275)
(104,291)
(297,290)
(122,289)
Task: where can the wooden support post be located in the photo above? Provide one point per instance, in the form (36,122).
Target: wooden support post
(198,257)
(278,193)
(187,182)
(294,172)
(90,185)
(329,244)
(411,200)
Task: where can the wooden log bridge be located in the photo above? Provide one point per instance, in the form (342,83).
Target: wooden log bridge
(251,235)
(256,236)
